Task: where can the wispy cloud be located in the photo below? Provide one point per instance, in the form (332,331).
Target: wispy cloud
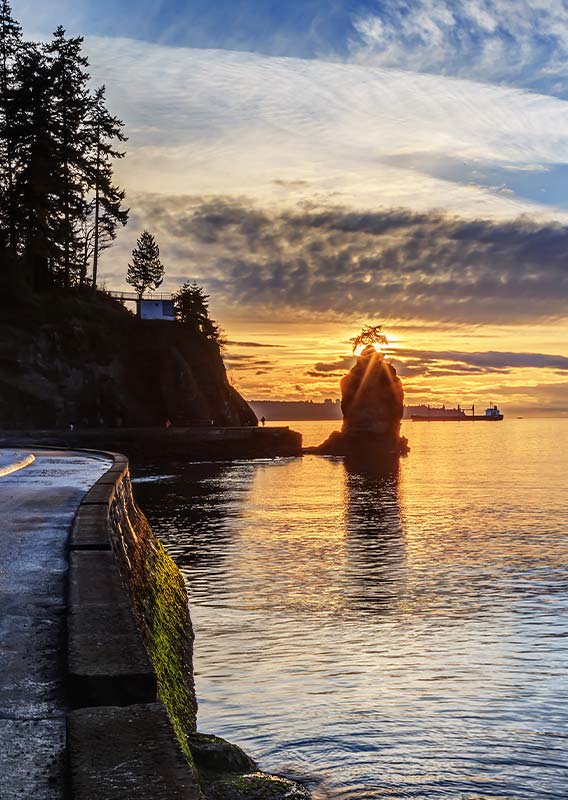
(521,42)
(284,129)
(301,28)
(517,41)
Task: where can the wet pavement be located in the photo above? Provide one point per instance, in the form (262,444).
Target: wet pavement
(37,504)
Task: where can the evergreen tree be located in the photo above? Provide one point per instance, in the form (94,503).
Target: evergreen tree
(34,157)
(146,270)
(59,204)
(69,110)
(10,44)
(370,335)
(84,239)
(192,308)
(107,212)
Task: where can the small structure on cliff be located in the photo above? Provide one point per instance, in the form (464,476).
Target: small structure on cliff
(372,401)
(157,308)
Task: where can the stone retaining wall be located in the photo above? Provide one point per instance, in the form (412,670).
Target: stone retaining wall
(129,654)
(132,728)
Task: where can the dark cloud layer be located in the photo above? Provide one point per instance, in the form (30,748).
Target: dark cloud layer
(384,264)
(490,361)
(442,363)
(240,361)
(327,375)
(252,344)
(332,366)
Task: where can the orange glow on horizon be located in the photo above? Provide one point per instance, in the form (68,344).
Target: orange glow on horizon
(305,359)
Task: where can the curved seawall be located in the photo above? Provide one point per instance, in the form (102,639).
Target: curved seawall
(132,730)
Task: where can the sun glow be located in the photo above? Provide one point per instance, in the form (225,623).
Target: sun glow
(378,346)
(370,335)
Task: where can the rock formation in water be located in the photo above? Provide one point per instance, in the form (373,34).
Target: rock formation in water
(86,361)
(372,400)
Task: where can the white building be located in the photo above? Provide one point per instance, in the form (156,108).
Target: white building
(156,309)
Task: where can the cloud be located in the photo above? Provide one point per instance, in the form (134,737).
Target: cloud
(450,363)
(524,42)
(397,264)
(213,121)
(493,361)
(517,41)
(253,344)
(549,399)
(342,364)
(244,362)
(301,28)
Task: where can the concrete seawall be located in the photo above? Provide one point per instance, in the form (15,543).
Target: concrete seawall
(144,444)
(131,730)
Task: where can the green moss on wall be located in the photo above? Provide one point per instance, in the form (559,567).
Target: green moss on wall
(160,603)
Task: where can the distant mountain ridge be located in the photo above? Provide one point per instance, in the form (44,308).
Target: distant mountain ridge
(282,410)
(279,410)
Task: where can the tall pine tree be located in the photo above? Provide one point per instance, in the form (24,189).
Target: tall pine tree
(35,158)
(59,204)
(146,271)
(106,206)
(10,45)
(192,308)
(69,110)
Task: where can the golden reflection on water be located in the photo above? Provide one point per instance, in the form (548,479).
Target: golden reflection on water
(304,564)
(393,630)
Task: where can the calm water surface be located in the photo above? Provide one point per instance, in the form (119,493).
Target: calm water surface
(398,634)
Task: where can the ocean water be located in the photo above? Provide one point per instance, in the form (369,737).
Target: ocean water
(398,632)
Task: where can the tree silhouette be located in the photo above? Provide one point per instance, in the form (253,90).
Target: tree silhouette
(69,104)
(35,185)
(10,44)
(59,205)
(105,212)
(192,308)
(370,335)
(146,271)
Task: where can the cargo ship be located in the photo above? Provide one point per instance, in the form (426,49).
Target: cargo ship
(492,414)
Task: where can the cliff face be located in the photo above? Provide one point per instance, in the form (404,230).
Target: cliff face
(87,361)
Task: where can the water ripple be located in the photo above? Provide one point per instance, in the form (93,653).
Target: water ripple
(399,633)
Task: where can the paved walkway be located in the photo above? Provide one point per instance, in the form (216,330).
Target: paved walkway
(37,504)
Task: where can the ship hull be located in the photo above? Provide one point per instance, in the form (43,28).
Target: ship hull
(465,418)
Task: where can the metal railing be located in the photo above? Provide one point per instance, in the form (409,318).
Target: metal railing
(134,296)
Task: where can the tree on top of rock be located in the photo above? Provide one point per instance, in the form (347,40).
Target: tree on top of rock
(370,335)
(146,271)
(192,308)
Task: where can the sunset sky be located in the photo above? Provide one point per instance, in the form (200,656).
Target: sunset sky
(320,164)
